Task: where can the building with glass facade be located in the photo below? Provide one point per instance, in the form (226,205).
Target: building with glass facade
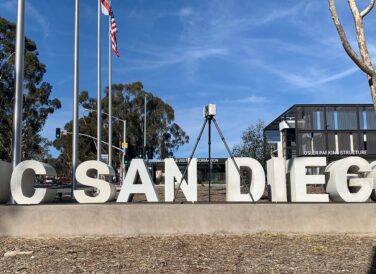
(334,131)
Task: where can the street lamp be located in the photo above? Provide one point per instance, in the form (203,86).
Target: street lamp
(145,126)
(124,135)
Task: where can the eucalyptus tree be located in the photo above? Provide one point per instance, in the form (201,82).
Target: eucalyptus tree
(37,104)
(164,136)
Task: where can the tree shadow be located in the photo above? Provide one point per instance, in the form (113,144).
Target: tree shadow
(372,267)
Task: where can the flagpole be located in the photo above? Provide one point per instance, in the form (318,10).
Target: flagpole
(99,97)
(18,96)
(75,95)
(109,93)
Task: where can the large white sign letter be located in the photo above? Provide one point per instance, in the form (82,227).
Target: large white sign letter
(357,189)
(256,177)
(299,179)
(173,173)
(277,179)
(85,175)
(22,183)
(129,187)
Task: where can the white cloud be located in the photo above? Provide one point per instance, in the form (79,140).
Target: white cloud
(157,57)
(249,99)
(31,12)
(313,79)
(39,18)
(8,6)
(278,13)
(185,12)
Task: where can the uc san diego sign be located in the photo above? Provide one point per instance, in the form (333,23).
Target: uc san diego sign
(351,179)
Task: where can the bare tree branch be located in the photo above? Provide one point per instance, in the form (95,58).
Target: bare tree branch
(368,9)
(360,36)
(346,45)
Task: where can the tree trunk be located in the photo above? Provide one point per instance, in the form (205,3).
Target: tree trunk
(372,86)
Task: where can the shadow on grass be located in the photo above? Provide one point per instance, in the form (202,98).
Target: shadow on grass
(372,267)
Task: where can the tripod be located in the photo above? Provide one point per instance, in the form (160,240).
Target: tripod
(208,120)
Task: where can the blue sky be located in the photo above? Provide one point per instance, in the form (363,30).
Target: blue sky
(254,59)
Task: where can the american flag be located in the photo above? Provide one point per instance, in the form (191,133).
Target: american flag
(107,10)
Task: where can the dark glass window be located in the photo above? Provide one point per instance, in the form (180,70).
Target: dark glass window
(312,143)
(332,148)
(368,118)
(371,143)
(344,142)
(311,118)
(341,118)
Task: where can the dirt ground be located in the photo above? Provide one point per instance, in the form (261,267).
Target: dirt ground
(256,253)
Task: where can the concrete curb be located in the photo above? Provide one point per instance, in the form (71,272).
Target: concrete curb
(66,220)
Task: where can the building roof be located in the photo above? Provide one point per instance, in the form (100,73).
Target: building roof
(290,113)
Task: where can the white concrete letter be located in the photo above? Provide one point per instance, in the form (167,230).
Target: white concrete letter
(172,172)
(357,189)
(6,173)
(85,175)
(256,177)
(129,187)
(299,179)
(277,179)
(22,183)
(372,175)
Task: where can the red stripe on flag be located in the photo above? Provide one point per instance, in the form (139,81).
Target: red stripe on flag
(114,31)
(106,6)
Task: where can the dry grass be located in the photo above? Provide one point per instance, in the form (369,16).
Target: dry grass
(257,253)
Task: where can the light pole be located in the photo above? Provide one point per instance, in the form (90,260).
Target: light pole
(94,138)
(124,132)
(19,69)
(145,126)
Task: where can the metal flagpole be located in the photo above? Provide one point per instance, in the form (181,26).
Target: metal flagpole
(19,70)
(99,97)
(109,93)
(75,94)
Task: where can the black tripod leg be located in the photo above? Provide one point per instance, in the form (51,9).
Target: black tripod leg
(232,157)
(209,148)
(190,159)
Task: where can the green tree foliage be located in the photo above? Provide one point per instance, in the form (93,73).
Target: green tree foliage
(164,136)
(254,144)
(37,103)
